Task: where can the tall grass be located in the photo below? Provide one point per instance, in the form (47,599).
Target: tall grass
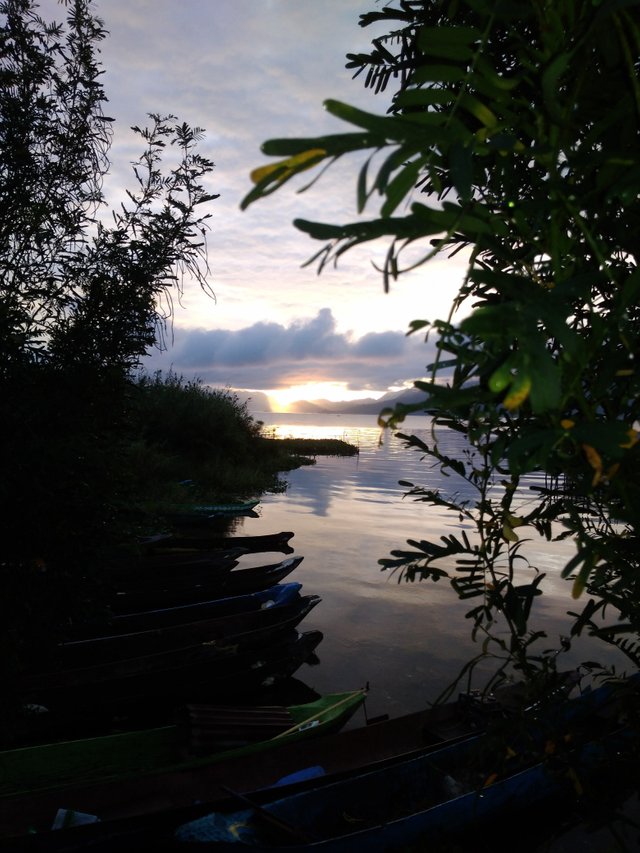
(183,430)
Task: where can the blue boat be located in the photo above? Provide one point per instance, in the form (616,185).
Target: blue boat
(427,797)
(278,594)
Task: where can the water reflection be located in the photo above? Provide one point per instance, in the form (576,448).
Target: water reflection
(407,639)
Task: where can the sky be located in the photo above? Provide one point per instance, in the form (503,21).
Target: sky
(247,71)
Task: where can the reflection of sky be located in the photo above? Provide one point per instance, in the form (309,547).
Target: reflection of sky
(407,639)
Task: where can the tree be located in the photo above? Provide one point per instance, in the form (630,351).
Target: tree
(513,133)
(73,286)
(83,293)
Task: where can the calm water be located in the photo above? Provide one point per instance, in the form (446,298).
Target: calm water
(408,640)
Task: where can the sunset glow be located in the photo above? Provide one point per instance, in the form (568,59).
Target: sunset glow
(281,399)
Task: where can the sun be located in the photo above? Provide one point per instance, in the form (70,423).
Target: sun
(281,399)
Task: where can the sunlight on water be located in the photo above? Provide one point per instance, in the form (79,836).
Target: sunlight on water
(409,640)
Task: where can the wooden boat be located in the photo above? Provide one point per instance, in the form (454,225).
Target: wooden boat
(137,816)
(272,596)
(215,734)
(242,630)
(208,540)
(433,797)
(196,515)
(202,672)
(236,582)
(228,508)
(188,576)
(177,788)
(166,566)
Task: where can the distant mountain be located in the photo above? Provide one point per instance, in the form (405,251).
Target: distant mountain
(256,401)
(368,406)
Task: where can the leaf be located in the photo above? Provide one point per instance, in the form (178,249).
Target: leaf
(401,185)
(551,83)
(424,97)
(389,127)
(361,192)
(461,164)
(518,393)
(417,325)
(296,163)
(479,110)
(335,144)
(438,74)
(509,534)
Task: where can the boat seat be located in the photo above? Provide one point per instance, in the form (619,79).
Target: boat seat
(210,726)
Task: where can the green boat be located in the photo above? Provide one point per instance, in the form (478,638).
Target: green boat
(170,748)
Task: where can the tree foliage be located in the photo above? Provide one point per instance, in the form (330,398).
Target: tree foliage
(84,292)
(513,135)
(76,287)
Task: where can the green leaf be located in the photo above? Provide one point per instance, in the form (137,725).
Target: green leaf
(545,393)
(479,110)
(401,185)
(448,42)
(361,192)
(551,83)
(424,97)
(334,145)
(461,164)
(438,74)
(386,126)
(417,325)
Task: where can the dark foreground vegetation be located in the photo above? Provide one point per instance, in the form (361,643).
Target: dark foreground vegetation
(499,142)
(93,466)
(83,293)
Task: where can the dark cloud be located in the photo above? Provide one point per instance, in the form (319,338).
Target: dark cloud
(271,355)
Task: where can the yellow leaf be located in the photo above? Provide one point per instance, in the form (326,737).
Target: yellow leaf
(578,586)
(518,394)
(509,533)
(595,460)
(612,471)
(296,163)
(632,439)
(577,784)
(567,423)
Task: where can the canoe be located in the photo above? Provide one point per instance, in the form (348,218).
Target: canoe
(201,672)
(236,582)
(429,799)
(195,515)
(281,593)
(138,816)
(244,630)
(151,567)
(229,508)
(72,771)
(187,576)
(207,540)
(115,799)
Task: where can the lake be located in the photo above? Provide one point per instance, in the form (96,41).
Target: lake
(407,640)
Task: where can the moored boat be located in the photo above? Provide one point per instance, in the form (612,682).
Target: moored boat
(136,817)
(196,515)
(207,540)
(168,566)
(241,630)
(201,672)
(86,773)
(430,798)
(201,587)
(272,596)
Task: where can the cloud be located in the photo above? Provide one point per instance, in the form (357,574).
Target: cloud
(269,355)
